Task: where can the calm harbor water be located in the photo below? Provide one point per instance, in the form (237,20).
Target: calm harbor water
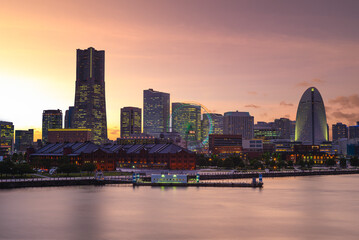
(319,207)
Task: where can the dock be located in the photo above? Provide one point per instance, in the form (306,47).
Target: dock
(201,184)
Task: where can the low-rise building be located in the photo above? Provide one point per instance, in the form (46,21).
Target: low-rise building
(108,157)
(225,144)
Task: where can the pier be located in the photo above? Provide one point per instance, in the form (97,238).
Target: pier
(201,184)
(205,179)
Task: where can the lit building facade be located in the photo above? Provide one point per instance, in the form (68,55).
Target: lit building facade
(90,102)
(212,123)
(265,131)
(6,137)
(311,122)
(156,111)
(239,123)
(69,135)
(186,120)
(339,130)
(50,119)
(225,144)
(24,139)
(130,121)
(69,117)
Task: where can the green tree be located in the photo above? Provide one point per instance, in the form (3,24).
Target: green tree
(343,163)
(301,162)
(68,168)
(281,164)
(238,161)
(330,162)
(255,164)
(22,168)
(354,161)
(14,157)
(228,163)
(7,167)
(88,167)
(310,163)
(202,160)
(290,163)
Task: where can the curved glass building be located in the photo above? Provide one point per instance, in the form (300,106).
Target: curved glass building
(311,123)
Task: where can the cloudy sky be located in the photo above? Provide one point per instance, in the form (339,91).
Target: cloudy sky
(256,56)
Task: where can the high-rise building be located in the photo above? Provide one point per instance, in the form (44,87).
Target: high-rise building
(130,121)
(212,123)
(311,123)
(90,102)
(6,137)
(69,117)
(283,126)
(339,130)
(50,119)
(186,120)
(24,139)
(239,123)
(354,131)
(156,111)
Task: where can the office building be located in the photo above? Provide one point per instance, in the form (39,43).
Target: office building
(212,123)
(130,121)
(283,126)
(69,135)
(6,138)
(354,131)
(339,130)
(24,139)
(69,117)
(186,120)
(90,102)
(239,123)
(225,144)
(311,123)
(50,119)
(266,131)
(156,111)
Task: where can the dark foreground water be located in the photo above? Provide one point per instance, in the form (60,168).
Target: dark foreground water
(320,207)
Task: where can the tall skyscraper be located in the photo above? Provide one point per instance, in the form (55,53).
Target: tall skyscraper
(239,123)
(311,123)
(339,130)
(90,102)
(24,139)
(186,120)
(130,121)
(156,111)
(50,119)
(6,137)
(212,123)
(69,117)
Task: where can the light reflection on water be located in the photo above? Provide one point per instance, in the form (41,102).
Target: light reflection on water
(315,207)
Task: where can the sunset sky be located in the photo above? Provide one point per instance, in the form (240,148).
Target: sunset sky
(255,56)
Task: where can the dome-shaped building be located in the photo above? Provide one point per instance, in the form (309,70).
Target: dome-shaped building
(311,123)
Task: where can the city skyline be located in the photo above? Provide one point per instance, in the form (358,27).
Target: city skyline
(233,56)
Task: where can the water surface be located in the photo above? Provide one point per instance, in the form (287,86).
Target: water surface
(317,207)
